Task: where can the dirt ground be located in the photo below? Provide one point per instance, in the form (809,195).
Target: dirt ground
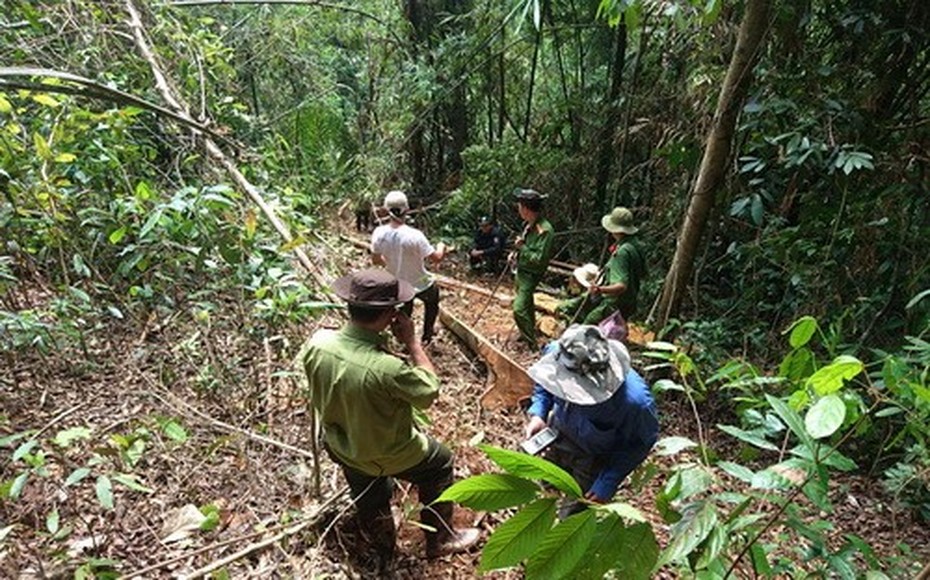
(134,377)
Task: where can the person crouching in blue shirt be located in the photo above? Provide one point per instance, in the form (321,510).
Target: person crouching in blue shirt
(600,407)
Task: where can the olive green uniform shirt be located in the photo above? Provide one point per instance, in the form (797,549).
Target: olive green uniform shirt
(366,397)
(533,257)
(628,265)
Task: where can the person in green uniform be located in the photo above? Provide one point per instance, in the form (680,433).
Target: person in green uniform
(533,251)
(366,398)
(617,288)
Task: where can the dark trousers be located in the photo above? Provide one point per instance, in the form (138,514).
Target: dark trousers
(372,496)
(430,300)
(583,466)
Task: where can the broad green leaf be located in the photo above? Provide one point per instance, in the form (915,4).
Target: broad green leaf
(604,551)
(10,439)
(174,430)
(716,542)
(695,525)
(44,99)
(831,378)
(42,148)
(834,459)
(819,494)
(130,481)
(104,489)
(770,479)
(736,470)
(622,509)
(5,106)
(519,536)
(65,158)
(77,475)
(825,417)
(748,437)
(24,449)
(673,445)
(642,552)
(876,575)
(69,436)
(117,235)
(797,364)
(790,417)
(695,480)
(531,467)
(801,331)
(563,547)
(212,513)
(491,491)
(666,496)
(760,560)
(18,484)
(51,522)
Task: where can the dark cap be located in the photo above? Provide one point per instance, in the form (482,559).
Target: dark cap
(373,287)
(484,221)
(528,194)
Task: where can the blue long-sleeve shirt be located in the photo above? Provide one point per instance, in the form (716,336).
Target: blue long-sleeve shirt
(620,431)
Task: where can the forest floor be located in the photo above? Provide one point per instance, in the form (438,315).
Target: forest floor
(136,384)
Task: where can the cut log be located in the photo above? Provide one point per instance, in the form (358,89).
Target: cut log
(510,382)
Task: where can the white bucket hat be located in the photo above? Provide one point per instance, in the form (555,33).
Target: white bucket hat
(586,275)
(585,368)
(396,201)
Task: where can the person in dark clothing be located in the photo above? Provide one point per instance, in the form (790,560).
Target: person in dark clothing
(489,246)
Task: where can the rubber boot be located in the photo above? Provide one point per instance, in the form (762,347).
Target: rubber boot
(445,540)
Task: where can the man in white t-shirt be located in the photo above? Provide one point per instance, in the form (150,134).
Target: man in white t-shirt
(402,249)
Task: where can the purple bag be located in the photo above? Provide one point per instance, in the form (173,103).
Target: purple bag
(614,327)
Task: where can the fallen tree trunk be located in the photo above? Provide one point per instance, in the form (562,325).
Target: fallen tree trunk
(510,383)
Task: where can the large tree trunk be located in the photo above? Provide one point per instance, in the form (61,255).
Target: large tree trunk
(716,153)
(611,120)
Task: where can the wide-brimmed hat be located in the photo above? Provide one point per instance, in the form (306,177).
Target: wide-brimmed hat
(584,367)
(396,202)
(586,275)
(373,287)
(619,220)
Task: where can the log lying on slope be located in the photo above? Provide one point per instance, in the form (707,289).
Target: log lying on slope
(510,381)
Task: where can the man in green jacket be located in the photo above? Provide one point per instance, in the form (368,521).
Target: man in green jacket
(366,397)
(534,250)
(617,288)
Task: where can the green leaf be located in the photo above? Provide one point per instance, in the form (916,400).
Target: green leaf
(77,475)
(519,536)
(212,513)
(131,482)
(920,296)
(716,542)
(491,491)
(673,445)
(174,430)
(770,479)
(622,509)
(117,235)
(65,158)
(5,107)
(760,560)
(695,525)
(736,470)
(831,378)
(790,417)
(24,449)
(605,549)
(531,467)
(802,331)
(51,522)
(748,437)
(10,439)
(18,484)
(563,547)
(825,417)
(69,436)
(42,148)
(104,489)
(44,99)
